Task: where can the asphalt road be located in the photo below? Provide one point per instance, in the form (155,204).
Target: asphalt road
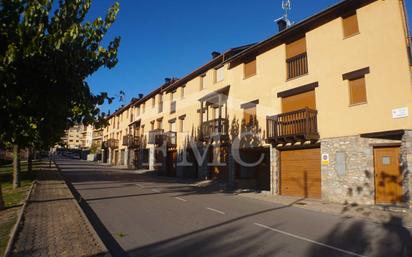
(140,215)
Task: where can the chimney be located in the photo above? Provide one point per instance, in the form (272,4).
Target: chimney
(282,24)
(215,54)
(140,96)
(167,80)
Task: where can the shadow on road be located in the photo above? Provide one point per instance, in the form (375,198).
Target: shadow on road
(360,237)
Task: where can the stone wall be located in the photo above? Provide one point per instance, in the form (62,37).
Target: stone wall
(352,182)
(274,170)
(406,164)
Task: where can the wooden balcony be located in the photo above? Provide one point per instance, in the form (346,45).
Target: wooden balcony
(214,128)
(292,127)
(171,139)
(156,137)
(98,134)
(131,141)
(113,143)
(297,65)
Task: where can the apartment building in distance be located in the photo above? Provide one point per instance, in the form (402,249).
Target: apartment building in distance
(73,137)
(86,136)
(97,137)
(319,110)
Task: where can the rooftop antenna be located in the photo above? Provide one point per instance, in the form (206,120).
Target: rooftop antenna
(284,22)
(286,6)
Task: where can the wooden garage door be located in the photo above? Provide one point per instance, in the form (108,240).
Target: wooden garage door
(300,173)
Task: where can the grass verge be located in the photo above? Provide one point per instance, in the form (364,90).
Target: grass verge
(13,199)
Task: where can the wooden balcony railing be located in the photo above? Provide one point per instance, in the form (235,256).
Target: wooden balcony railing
(171,139)
(159,137)
(297,65)
(113,143)
(156,137)
(292,127)
(97,134)
(131,141)
(213,128)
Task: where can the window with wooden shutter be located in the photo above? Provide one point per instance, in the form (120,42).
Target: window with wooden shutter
(296,48)
(182,92)
(202,81)
(181,124)
(299,102)
(250,69)
(172,126)
(220,74)
(296,58)
(249,115)
(350,25)
(357,91)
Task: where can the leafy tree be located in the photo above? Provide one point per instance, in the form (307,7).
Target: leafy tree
(45,58)
(1,199)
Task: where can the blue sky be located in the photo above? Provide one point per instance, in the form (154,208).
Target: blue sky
(166,38)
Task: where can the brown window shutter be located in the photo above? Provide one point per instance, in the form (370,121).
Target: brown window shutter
(296,48)
(299,101)
(357,91)
(350,25)
(250,68)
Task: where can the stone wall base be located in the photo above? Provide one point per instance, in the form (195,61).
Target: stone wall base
(350,176)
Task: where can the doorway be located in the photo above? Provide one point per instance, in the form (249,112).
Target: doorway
(388,178)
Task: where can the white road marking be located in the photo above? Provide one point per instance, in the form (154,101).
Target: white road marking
(155,190)
(309,240)
(220,212)
(181,199)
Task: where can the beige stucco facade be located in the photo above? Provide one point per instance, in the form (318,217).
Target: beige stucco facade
(381,46)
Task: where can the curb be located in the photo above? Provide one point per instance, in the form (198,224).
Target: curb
(105,252)
(17,226)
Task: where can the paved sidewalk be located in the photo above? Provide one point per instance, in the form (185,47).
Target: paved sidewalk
(53,224)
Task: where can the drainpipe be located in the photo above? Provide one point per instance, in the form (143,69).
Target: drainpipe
(406,28)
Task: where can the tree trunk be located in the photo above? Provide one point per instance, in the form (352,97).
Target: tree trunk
(1,199)
(16,166)
(30,160)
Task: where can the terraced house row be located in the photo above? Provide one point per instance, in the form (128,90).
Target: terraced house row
(319,110)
